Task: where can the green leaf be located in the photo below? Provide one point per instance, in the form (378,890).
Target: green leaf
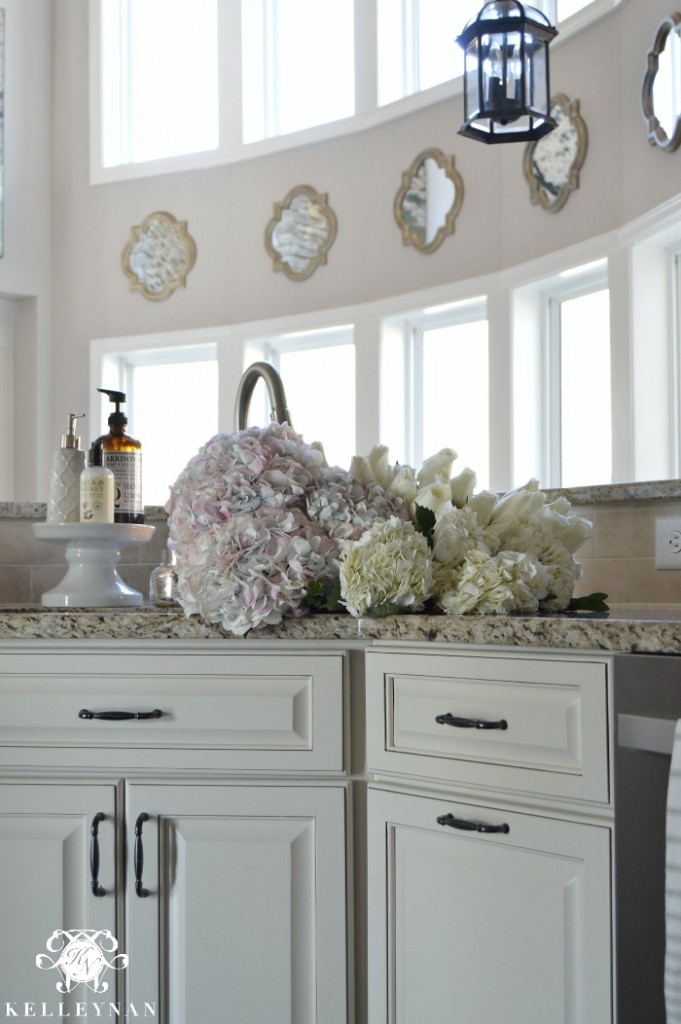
(425,522)
(596,602)
(324,595)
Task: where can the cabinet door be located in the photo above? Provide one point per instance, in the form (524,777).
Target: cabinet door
(507,926)
(45,886)
(246,889)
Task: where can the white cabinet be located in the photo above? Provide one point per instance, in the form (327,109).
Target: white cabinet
(47,852)
(245,885)
(221,778)
(489,888)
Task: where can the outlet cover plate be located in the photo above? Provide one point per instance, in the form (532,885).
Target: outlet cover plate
(668,542)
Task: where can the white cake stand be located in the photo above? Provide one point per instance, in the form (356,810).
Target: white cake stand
(92,553)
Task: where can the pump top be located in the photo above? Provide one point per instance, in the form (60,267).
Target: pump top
(69,439)
(117,418)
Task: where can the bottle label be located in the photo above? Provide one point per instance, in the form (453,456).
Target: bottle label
(127,470)
(96,499)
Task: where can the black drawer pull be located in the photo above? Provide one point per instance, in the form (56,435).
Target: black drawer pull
(470,826)
(470,723)
(97,890)
(138,855)
(119,716)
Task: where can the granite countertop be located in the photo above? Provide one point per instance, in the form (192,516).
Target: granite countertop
(655,629)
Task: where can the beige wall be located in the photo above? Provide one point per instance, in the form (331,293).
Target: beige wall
(228,207)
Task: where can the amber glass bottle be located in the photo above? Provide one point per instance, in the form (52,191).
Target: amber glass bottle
(123,456)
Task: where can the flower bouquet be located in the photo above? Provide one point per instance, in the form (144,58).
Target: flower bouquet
(263,528)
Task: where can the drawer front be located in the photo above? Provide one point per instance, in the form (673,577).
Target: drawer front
(530,724)
(244,712)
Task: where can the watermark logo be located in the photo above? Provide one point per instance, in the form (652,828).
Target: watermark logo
(82,958)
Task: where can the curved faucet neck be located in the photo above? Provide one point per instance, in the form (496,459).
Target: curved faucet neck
(275,390)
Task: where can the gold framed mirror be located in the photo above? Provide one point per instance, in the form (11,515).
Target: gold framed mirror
(429,200)
(158,256)
(301,232)
(551,165)
(660,94)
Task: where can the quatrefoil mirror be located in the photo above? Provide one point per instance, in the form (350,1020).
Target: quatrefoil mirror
(158,256)
(552,164)
(301,232)
(661,95)
(428,201)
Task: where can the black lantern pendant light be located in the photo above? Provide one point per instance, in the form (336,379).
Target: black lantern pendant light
(506,73)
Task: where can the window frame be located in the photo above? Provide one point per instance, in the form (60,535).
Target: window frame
(571,284)
(231,149)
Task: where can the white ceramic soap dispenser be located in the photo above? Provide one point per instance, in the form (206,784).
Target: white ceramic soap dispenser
(63,500)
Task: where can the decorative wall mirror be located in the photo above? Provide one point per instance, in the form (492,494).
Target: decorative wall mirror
(661,93)
(158,256)
(301,232)
(428,201)
(552,164)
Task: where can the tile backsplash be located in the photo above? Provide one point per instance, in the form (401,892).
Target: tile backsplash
(29,567)
(619,559)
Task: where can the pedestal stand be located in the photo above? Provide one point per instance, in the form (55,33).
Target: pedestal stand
(92,553)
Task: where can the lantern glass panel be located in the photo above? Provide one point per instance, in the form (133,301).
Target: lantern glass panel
(472,97)
(536,83)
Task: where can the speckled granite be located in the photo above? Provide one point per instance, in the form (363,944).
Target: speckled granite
(620,633)
(647,490)
(38,510)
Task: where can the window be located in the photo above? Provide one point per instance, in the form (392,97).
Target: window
(562,378)
(417,44)
(581,412)
(259,70)
(318,372)
(300,69)
(150,51)
(446,387)
(172,408)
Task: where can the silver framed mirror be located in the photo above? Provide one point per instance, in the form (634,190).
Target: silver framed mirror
(660,94)
(301,232)
(158,256)
(429,200)
(551,165)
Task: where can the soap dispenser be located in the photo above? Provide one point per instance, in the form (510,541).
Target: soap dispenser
(68,461)
(123,456)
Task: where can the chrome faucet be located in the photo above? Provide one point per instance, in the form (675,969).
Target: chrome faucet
(275,390)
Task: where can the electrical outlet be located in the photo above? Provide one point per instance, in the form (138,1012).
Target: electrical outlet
(668,542)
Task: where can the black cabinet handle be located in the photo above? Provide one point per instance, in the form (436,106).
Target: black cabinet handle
(470,723)
(470,826)
(138,856)
(97,890)
(119,716)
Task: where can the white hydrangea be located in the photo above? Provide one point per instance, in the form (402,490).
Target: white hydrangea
(388,568)
(510,581)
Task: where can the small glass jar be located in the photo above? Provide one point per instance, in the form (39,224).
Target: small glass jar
(163,581)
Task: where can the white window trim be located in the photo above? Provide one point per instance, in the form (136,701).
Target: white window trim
(231,150)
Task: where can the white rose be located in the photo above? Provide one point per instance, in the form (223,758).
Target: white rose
(404,484)
(437,467)
(436,496)
(462,487)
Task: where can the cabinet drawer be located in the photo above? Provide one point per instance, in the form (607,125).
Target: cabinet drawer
(227,711)
(544,721)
